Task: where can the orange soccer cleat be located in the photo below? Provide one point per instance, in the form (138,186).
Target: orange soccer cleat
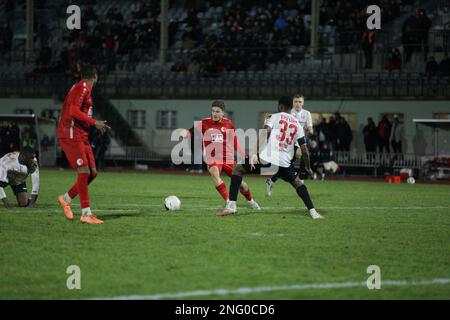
(225,212)
(91,219)
(66,206)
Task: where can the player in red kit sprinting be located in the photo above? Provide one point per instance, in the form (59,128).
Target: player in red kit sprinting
(73,130)
(218,135)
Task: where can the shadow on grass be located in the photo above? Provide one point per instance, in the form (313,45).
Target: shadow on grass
(118,215)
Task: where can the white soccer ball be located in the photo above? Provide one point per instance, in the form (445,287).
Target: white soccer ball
(411,180)
(172,203)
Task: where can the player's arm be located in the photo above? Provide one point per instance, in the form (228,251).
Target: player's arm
(309,124)
(3,196)
(35,187)
(305,154)
(76,102)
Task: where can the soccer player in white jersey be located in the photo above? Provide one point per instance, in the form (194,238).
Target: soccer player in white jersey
(304,117)
(15,167)
(283,131)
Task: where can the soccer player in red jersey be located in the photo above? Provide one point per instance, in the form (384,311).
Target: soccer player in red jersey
(73,130)
(220,142)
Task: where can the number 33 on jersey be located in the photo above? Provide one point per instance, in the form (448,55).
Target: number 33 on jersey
(285,131)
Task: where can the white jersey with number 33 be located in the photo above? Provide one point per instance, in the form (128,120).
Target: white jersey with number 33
(285,131)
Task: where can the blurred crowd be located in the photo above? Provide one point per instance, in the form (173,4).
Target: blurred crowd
(386,137)
(334,134)
(207,36)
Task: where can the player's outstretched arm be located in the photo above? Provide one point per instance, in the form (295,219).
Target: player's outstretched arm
(35,182)
(5,202)
(102,126)
(306,158)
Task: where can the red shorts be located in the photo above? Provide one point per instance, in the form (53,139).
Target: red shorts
(228,168)
(78,153)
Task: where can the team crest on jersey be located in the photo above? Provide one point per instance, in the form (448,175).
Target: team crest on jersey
(222,129)
(217,137)
(79,162)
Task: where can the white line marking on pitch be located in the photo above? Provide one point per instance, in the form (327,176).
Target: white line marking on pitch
(297,207)
(261,234)
(243,291)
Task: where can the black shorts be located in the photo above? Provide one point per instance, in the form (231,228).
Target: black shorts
(16,188)
(288,174)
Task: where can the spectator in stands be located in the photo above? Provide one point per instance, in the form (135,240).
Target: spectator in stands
(323,133)
(99,143)
(6,36)
(45,142)
(410,31)
(344,134)
(444,66)
(396,135)
(368,39)
(394,61)
(424,26)
(332,133)
(432,67)
(194,67)
(28,141)
(370,136)
(384,134)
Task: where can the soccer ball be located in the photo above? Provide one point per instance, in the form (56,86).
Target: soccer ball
(172,203)
(411,180)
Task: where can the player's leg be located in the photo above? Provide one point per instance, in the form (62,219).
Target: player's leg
(20,191)
(86,214)
(303,193)
(73,152)
(78,156)
(214,171)
(269,184)
(236,180)
(73,191)
(244,188)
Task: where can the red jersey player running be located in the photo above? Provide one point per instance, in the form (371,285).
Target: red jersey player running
(73,130)
(218,137)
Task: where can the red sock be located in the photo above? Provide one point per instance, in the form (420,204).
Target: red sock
(82,183)
(246,194)
(73,192)
(222,189)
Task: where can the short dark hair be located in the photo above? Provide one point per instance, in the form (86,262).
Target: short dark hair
(88,71)
(28,152)
(298,95)
(285,101)
(219,104)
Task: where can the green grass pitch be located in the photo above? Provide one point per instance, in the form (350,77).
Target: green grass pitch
(144,251)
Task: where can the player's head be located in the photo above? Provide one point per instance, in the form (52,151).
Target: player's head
(89,72)
(298,102)
(218,110)
(284,104)
(26,156)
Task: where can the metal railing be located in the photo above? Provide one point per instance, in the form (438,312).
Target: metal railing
(376,160)
(240,85)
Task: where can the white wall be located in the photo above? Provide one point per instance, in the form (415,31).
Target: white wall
(247,114)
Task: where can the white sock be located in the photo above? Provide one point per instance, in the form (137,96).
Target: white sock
(67,198)
(313,211)
(231,205)
(86,211)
